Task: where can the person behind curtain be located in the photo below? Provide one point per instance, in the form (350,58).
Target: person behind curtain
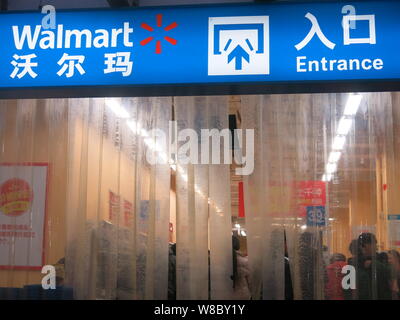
(326,255)
(368,267)
(312,269)
(60,272)
(306,256)
(241,286)
(353,248)
(172,271)
(276,255)
(394,261)
(288,277)
(383,257)
(334,290)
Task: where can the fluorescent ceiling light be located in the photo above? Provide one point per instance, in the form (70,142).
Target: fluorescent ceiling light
(352,104)
(184,177)
(149,143)
(331,168)
(163,156)
(327,177)
(338,143)
(152,144)
(133,126)
(344,126)
(334,156)
(303,227)
(143,133)
(118,110)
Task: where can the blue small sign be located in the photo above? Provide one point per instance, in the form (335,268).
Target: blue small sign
(316,216)
(189,45)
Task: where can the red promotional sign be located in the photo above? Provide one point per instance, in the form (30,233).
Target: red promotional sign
(16,197)
(23,207)
(114,203)
(128,213)
(241,200)
(310,193)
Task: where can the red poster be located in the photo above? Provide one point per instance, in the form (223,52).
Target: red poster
(114,206)
(128,213)
(310,193)
(23,207)
(241,200)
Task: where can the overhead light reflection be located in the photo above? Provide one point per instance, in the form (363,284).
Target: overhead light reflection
(119,111)
(352,105)
(343,129)
(338,143)
(331,168)
(344,126)
(134,126)
(334,156)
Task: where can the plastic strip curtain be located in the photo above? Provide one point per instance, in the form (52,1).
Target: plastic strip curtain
(220,208)
(32,157)
(203,205)
(371,165)
(192,257)
(302,138)
(118,207)
(264,205)
(152,198)
(107,209)
(393,176)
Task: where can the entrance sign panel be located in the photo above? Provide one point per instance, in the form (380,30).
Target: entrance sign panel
(188,45)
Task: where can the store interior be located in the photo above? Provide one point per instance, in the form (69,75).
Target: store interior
(117,225)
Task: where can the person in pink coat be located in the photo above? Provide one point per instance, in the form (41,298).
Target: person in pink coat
(334,290)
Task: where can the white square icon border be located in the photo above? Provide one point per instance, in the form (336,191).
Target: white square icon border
(257,63)
(347,40)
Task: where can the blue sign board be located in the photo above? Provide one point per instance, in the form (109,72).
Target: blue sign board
(188,45)
(316,216)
